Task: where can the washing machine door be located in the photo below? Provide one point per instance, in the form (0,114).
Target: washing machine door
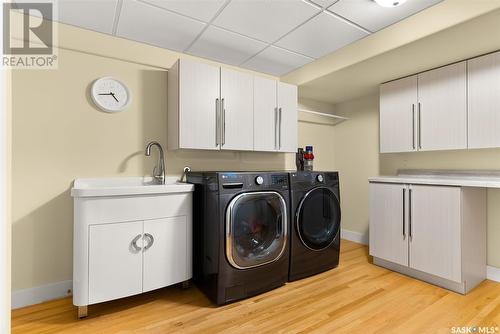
(318,218)
(256,229)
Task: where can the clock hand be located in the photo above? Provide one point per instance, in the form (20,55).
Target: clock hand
(113,95)
(105,94)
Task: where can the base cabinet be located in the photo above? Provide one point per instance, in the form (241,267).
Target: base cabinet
(168,237)
(434,233)
(115,267)
(127,245)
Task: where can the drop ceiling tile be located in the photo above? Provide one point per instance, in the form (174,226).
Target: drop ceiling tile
(203,10)
(265,20)
(225,46)
(144,23)
(373,17)
(276,61)
(321,35)
(324,3)
(96,15)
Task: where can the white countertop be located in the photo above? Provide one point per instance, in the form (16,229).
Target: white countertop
(482,179)
(126,186)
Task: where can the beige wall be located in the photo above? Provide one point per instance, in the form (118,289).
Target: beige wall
(357,158)
(58,135)
(6,199)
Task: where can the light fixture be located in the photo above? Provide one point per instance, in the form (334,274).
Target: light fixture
(389,3)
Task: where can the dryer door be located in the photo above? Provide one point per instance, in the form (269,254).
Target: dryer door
(318,218)
(256,229)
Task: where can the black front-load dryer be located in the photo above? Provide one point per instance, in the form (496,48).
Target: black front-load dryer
(240,233)
(315,223)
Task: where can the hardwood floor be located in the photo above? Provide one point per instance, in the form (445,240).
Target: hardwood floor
(356,297)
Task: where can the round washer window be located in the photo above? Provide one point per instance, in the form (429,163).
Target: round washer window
(318,218)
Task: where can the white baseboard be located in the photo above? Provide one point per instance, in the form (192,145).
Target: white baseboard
(493,273)
(360,238)
(40,294)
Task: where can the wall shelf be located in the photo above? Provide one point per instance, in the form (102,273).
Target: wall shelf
(315,117)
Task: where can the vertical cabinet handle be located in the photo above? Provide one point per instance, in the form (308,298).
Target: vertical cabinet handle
(413,124)
(410,225)
(223,123)
(404,213)
(217,121)
(150,239)
(134,243)
(419,125)
(276,128)
(279,138)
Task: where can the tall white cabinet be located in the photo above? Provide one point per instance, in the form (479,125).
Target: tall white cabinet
(434,233)
(484,101)
(425,112)
(214,108)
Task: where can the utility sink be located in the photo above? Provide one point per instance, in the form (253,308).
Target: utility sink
(126,186)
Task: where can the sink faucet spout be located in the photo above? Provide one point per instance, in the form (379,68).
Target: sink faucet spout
(159,169)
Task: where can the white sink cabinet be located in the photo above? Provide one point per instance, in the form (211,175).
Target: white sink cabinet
(130,236)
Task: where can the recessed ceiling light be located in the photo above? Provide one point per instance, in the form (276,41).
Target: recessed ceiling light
(390,3)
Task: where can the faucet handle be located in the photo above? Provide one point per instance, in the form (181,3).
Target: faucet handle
(186,170)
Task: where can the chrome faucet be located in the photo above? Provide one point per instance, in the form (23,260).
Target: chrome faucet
(159,170)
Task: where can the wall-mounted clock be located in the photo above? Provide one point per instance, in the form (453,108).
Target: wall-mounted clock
(110,95)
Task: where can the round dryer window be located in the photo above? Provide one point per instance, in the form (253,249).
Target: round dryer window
(318,218)
(256,229)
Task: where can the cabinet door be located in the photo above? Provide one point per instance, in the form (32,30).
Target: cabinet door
(199,86)
(167,252)
(398,103)
(484,101)
(435,241)
(265,115)
(115,266)
(442,96)
(287,117)
(237,111)
(388,222)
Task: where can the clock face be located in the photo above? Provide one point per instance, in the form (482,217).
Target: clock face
(110,94)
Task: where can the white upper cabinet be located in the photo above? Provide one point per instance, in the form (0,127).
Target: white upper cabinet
(193,95)
(484,101)
(442,114)
(425,112)
(398,102)
(265,115)
(236,110)
(287,117)
(215,108)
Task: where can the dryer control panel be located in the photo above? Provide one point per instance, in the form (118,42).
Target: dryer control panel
(252,181)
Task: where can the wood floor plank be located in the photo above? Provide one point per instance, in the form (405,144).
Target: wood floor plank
(356,297)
